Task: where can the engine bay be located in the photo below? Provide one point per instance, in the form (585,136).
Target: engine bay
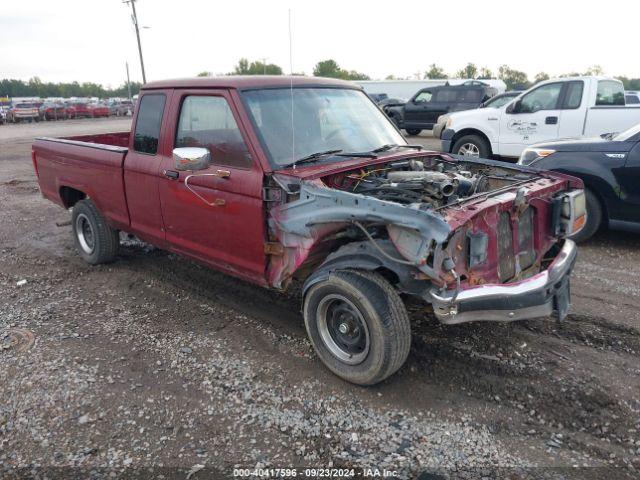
(433,184)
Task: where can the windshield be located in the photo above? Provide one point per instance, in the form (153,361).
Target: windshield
(627,134)
(498,102)
(323,119)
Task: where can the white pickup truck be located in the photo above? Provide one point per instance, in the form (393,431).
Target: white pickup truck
(551,110)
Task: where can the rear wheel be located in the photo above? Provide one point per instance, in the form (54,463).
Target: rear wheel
(594,218)
(413,131)
(358,326)
(473,146)
(96,241)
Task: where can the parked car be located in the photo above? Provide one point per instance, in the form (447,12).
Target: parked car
(121,109)
(98,110)
(357,218)
(494,102)
(23,111)
(3,115)
(78,110)
(52,111)
(422,111)
(632,98)
(551,110)
(610,170)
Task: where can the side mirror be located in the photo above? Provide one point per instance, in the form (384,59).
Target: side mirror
(191,158)
(514,107)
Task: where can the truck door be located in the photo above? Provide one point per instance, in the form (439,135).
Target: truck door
(215,215)
(415,110)
(533,118)
(142,165)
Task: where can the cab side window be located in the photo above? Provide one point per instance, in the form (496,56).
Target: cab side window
(207,121)
(147,132)
(423,97)
(542,98)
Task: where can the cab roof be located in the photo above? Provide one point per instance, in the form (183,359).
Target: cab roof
(250,82)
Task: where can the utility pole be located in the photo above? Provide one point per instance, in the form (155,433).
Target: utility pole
(128,81)
(134,18)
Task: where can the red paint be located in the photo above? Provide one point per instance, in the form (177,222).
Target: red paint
(133,193)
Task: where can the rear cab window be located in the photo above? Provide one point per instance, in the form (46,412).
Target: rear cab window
(610,93)
(147,132)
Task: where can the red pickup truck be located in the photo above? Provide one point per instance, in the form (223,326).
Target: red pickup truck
(291,179)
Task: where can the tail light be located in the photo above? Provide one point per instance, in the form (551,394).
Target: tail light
(569,213)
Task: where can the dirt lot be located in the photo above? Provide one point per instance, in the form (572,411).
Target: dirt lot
(156,366)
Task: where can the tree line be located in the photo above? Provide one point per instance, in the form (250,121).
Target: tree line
(37,88)
(514,79)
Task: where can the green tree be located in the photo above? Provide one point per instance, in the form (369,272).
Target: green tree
(330,68)
(485,74)
(469,71)
(255,68)
(514,79)
(205,74)
(541,77)
(595,70)
(435,72)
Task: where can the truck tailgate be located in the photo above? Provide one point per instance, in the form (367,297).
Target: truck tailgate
(93,169)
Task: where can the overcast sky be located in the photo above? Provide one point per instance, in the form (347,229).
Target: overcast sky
(90,40)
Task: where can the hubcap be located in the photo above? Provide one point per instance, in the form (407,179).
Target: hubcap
(469,149)
(85,234)
(343,329)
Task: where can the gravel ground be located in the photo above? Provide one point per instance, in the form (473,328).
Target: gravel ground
(155,366)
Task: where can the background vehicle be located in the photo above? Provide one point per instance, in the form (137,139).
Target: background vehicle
(23,111)
(610,170)
(632,98)
(79,110)
(494,102)
(121,108)
(361,218)
(52,111)
(422,111)
(98,110)
(551,110)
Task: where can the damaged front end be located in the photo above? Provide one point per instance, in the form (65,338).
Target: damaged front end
(476,239)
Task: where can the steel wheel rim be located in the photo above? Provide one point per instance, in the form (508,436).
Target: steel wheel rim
(469,149)
(343,329)
(85,234)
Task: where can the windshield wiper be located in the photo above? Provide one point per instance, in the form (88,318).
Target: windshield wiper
(389,146)
(312,157)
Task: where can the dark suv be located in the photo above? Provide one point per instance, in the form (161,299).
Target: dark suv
(423,110)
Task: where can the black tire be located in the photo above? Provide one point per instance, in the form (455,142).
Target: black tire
(481,145)
(594,218)
(413,131)
(387,329)
(96,241)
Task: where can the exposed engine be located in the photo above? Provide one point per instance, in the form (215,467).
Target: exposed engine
(410,182)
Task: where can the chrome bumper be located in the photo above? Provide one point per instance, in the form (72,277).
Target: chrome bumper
(539,296)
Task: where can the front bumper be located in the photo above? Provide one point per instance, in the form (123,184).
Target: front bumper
(539,296)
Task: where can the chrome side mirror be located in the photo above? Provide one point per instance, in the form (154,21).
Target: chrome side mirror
(191,158)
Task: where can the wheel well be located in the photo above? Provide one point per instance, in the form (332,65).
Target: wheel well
(470,131)
(603,204)
(70,196)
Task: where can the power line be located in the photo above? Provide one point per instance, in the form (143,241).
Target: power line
(134,18)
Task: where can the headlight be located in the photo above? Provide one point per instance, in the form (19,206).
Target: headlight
(532,154)
(569,213)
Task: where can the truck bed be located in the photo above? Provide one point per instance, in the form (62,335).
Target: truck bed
(92,164)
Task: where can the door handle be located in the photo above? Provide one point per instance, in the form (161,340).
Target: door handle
(172,174)
(551,120)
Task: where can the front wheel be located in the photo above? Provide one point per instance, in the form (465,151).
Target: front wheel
(472,146)
(96,241)
(358,326)
(413,131)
